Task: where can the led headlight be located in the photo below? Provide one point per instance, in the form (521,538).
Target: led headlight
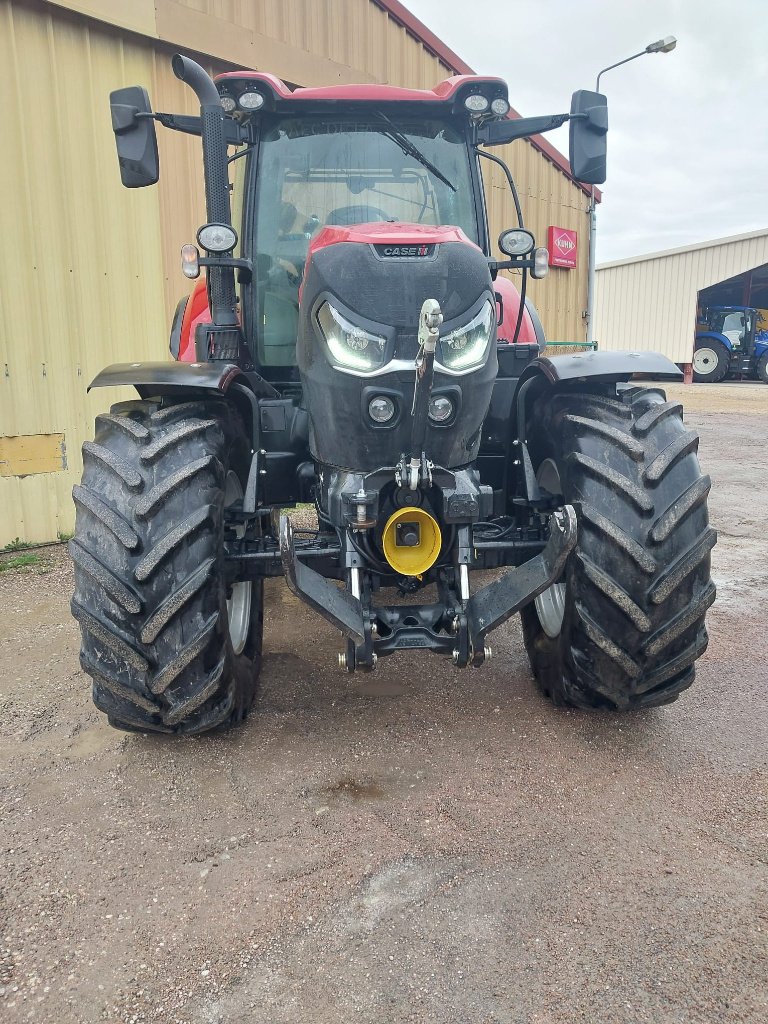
(251,101)
(217,237)
(348,344)
(466,347)
(500,107)
(477,103)
(228,102)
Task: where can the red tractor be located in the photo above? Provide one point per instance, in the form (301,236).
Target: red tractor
(355,347)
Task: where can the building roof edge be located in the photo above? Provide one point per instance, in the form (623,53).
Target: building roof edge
(661,254)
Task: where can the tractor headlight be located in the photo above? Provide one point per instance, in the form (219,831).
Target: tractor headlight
(465,348)
(348,344)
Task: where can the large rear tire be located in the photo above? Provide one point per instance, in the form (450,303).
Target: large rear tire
(711,360)
(169,645)
(625,625)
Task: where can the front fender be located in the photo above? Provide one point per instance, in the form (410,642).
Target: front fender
(590,367)
(601,366)
(192,380)
(178,378)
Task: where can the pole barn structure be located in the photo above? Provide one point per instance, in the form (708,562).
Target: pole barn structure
(95,270)
(650,302)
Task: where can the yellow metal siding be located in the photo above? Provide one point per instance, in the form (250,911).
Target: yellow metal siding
(82,283)
(32,453)
(95,268)
(547,198)
(649,304)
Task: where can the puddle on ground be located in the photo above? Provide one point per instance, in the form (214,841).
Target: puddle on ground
(355,790)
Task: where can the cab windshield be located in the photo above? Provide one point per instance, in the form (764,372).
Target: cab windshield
(315,171)
(735,325)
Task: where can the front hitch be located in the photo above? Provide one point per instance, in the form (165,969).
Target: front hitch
(497,602)
(339,607)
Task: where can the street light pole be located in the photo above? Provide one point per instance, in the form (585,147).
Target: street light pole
(665,45)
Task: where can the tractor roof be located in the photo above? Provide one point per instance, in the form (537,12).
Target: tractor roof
(236,82)
(732,309)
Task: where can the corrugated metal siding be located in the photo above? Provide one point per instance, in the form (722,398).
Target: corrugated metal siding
(95,270)
(547,198)
(650,304)
(82,282)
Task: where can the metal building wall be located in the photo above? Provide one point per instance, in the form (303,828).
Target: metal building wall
(649,303)
(93,275)
(83,273)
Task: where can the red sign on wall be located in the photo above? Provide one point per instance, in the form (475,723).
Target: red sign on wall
(563,247)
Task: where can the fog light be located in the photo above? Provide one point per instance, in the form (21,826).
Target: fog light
(440,408)
(381,409)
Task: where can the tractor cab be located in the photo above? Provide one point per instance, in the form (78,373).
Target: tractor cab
(344,156)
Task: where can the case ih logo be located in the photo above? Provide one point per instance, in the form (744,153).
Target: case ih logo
(405,251)
(563,247)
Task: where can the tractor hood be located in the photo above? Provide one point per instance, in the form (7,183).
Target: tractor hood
(364,287)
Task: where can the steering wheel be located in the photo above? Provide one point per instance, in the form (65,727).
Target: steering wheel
(345,215)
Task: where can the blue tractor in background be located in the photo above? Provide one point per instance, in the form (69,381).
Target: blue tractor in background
(730,340)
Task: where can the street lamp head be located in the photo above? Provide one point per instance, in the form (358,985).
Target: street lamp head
(665,45)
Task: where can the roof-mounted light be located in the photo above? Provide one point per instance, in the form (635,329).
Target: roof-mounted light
(476,103)
(229,103)
(499,107)
(251,101)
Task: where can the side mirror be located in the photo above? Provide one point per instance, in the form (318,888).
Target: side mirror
(587,143)
(135,136)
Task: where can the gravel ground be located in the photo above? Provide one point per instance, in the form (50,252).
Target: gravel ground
(418,845)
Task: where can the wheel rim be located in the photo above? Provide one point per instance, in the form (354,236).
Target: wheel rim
(239,604)
(705,360)
(550,605)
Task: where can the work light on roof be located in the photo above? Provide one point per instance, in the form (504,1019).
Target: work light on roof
(476,103)
(229,103)
(251,101)
(500,107)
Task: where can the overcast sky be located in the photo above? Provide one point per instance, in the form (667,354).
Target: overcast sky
(688,138)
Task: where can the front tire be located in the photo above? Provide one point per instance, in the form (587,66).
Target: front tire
(635,590)
(711,360)
(170,646)
(762,368)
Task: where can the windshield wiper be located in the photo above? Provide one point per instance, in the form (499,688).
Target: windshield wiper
(409,149)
